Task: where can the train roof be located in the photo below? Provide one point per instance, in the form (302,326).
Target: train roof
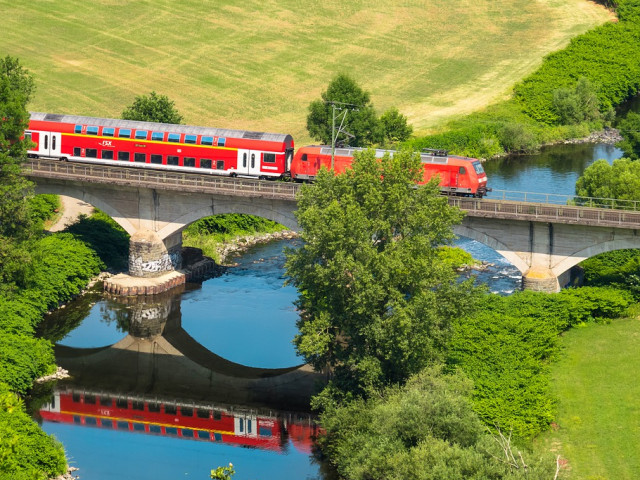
(161,127)
(426,157)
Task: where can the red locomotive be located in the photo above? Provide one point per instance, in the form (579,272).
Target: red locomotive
(458,175)
(160,146)
(181,420)
(216,151)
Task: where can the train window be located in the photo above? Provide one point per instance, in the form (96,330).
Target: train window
(187,411)
(92,130)
(171,160)
(203,435)
(76,419)
(122,425)
(206,141)
(253,160)
(217,416)
(155,429)
(123,156)
(171,430)
(106,401)
(138,427)
(478,168)
(122,403)
(190,138)
(205,163)
(141,134)
(106,423)
(124,133)
(249,426)
(221,142)
(304,157)
(462,171)
(137,404)
(170,409)
(46,142)
(107,154)
(217,437)
(174,137)
(75,397)
(53,142)
(90,421)
(202,413)
(264,432)
(108,132)
(153,407)
(187,433)
(220,164)
(91,152)
(77,151)
(269,158)
(77,129)
(90,399)
(189,162)
(157,159)
(158,136)
(241,425)
(244,159)
(140,157)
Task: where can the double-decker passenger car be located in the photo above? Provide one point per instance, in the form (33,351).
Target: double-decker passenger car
(160,146)
(458,175)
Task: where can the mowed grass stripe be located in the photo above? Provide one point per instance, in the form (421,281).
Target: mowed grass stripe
(257,65)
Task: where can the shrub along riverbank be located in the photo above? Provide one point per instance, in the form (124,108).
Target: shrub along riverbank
(573,93)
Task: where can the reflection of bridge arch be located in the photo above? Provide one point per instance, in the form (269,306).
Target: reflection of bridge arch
(159,356)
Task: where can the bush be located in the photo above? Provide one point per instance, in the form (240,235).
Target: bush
(43,207)
(26,452)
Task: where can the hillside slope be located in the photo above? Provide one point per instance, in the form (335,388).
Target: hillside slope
(257,65)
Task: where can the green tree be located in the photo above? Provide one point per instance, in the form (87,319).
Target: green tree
(620,180)
(344,97)
(630,130)
(376,299)
(152,108)
(395,126)
(16,223)
(578,104)
(424,430)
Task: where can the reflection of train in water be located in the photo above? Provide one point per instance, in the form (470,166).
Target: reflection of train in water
(194,421)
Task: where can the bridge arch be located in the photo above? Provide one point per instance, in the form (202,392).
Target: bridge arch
(593,250)
(492,242)
(265,210)
(85,195)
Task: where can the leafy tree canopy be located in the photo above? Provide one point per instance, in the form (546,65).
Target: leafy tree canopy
(630,130)
(376,299)
(620,180)
(395,126)
(16,223)
(424,430)
(152,108)
(344,97)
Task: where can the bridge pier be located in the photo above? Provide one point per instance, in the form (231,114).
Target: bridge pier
(540,279)
(150,256)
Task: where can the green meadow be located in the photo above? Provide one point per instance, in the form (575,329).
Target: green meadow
(258,64)
(597,383)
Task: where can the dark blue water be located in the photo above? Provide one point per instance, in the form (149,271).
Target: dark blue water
(247,316)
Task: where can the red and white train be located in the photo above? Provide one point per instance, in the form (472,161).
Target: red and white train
(217,151)
(180,420)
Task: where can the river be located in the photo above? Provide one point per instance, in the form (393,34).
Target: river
(172,386)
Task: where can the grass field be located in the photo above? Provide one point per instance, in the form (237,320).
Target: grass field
(597,382)
(258,64)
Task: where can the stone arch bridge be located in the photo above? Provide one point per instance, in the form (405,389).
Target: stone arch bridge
(544,241)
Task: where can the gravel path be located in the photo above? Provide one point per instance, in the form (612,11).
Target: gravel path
(71,209)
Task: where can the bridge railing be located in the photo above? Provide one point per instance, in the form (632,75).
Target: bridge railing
(557,199)
(179,181)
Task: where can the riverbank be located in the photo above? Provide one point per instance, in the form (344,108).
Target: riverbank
(227,251)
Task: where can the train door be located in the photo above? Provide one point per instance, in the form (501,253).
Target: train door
(248,162)
(50,144)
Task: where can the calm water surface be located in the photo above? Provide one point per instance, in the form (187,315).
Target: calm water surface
(245,316)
